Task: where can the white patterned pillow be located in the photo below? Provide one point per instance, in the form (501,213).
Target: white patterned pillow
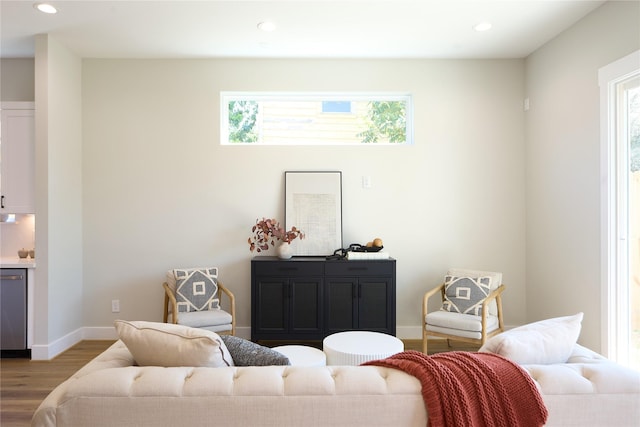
(465,294)
(196,289)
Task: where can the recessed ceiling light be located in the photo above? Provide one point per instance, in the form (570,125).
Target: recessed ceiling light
(482,26)
(267,26)
(45,8)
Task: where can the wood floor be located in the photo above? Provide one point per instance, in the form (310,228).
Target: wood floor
(25,383)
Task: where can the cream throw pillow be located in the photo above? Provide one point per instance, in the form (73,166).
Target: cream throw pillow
(166,344)
(543,343)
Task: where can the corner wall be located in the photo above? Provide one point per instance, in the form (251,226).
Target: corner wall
(563,165)
(59,288)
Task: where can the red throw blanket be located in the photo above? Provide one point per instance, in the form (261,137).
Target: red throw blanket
(472,389)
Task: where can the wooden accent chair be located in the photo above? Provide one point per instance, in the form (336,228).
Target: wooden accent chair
(194,297)
(471,309)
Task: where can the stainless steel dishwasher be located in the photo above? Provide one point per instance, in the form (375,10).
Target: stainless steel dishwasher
(13,312)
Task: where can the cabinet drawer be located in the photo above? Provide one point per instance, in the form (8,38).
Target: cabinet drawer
(288,268)
(359,268)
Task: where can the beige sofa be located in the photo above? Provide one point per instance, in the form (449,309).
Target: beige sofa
(588,390)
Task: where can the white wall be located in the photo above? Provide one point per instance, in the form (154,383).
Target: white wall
(563,164)
(59,286)
(160,192)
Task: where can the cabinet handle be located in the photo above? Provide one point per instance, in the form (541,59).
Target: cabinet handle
(15,277)
(288,268)
(358,268)
(2,202)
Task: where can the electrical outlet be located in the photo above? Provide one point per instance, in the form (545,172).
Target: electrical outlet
(366,181)
(115,306)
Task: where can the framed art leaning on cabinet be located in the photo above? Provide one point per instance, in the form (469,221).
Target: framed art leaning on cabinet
(313,203)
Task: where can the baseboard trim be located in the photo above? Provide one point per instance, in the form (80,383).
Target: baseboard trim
(415,332)
(99,333)
(49,351)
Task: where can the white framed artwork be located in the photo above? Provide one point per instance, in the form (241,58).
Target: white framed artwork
(313,204)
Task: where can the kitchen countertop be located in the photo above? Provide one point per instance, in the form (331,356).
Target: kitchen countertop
(15,262)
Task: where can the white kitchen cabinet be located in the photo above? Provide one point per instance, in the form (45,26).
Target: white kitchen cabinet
(17,164)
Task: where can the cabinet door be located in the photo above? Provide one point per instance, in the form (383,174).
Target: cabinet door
(13,309)
(18,160)
(272,306)
(305,295)
(340,307)
(374,304)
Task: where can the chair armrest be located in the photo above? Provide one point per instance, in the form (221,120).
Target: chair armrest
(429,294)
(433,291)
(232,305)
(497,295)
(170,298)
(494,294)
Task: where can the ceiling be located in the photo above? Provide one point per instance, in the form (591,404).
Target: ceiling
(305,28)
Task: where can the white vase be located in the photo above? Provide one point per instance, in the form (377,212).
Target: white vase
(284,251)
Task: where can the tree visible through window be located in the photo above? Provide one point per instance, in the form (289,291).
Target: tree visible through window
(387,120)
(242,121)
(303,119)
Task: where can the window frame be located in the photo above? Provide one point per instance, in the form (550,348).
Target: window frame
(613,207)
(228,96)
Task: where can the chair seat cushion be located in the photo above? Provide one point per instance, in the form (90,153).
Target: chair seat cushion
(201,319)
(462,325)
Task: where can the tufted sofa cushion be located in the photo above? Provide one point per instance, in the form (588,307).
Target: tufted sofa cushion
(593,392)
(586,373)
(110,391)
(588,390)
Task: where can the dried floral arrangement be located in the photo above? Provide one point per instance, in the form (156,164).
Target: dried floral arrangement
(267,231)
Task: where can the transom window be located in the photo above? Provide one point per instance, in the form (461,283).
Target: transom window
(315,118)
(336,106)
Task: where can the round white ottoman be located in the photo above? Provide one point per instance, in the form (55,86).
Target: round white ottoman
(302,355)
(356,347)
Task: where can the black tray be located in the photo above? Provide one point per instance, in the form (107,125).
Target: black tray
(367,249)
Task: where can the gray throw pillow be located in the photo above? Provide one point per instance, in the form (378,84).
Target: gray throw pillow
(247,353)
(465,294)
(196,289)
